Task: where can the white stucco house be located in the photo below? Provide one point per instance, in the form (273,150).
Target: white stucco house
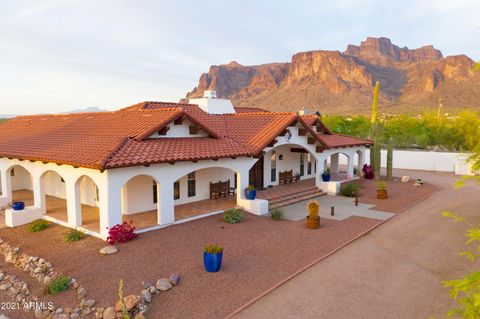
(156,161)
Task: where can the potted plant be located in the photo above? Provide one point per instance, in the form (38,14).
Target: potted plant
(18,205)
(212,257)
(381,189)
(250,192)
(326,175)
(313,218)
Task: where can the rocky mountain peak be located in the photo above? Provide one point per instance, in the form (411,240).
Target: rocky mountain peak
(336,82)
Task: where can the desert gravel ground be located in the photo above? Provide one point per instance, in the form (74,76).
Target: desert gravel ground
(259,253)
(393,272)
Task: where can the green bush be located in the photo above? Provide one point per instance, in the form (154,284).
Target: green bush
(73,235)
(37,225)
(58,284)
(233,215)
(350,189)
(276,214)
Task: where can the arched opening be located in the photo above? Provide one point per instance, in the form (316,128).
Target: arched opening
(140,201)
(203,191)
(89,197)
(289,158)
(338,165)
(54,192)
(21,185)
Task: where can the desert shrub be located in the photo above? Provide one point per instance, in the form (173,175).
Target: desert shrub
(276,214)
(313,208)
(351,189)
(213,249)
(121,233)
(233,215)
(37,225)
(58,284)
(73,235)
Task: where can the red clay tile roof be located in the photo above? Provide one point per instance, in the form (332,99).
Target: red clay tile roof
(116,139)
(243,109)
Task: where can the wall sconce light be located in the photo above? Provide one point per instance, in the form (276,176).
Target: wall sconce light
(280,157)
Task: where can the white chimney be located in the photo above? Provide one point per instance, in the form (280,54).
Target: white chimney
(210,104)
(210,94)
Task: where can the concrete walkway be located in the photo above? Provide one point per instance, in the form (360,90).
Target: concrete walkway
(344,208)
(393,272)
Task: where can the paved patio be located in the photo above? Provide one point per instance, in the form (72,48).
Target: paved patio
(344,208)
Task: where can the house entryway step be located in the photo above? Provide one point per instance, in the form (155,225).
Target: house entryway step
(292,198)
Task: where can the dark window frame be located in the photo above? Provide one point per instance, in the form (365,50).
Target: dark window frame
(191,184)
(176,190)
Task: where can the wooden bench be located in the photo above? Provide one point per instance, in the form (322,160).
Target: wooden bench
(221,189)
(287,177)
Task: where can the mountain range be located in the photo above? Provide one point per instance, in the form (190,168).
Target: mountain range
(335,82)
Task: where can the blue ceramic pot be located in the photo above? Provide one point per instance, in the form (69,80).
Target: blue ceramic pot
(250,194)
(326,177)
(18,205)
(212,262)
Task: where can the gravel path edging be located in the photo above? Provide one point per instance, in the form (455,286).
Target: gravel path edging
(298,272)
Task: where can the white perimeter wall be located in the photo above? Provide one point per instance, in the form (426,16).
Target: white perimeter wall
(425,160)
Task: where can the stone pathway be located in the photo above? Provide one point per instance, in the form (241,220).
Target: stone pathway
(344,208)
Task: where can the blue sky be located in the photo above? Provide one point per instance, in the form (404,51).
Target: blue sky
(60,55)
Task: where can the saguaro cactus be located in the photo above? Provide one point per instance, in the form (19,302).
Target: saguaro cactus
(390,159)
(373,123)
(377,160)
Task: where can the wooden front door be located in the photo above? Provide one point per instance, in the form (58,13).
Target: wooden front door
(256,174)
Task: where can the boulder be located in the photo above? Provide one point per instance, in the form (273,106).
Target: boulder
(89,303)
(109,250)
(130,302)
(174,279)
(405,179)
(139,316)
(109,313)
(163,284)
(147,296)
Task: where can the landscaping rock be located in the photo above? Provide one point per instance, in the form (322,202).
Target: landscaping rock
(147,296)
(109,313)
(109,250)
(81,292)
(163,284)
(139,316)
(89,303)
(75,315)
(59,310)
(130,302)
(174,279)
(405,179)
(60,316)
(3,316)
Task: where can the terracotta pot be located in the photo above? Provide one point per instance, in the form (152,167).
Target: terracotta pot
(313,223)
(381,194)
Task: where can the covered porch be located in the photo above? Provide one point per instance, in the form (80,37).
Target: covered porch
(56,208)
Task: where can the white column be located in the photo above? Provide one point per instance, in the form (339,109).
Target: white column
(74,205)
(242,184)
(6,185)
(165,206)
(110,206)
(361,162)
(334,163)
(350,167)
(318,175)
(39,193)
